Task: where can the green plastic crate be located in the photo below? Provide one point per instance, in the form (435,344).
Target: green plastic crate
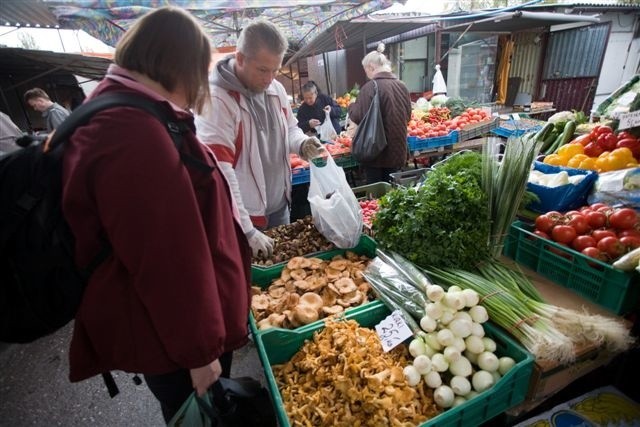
(264,276)
(278,346)
(372,191)
(597,281)
(346,161)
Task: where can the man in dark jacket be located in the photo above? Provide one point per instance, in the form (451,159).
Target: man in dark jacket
(395,106)
(312,112)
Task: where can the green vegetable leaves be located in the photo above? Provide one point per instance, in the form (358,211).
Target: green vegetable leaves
(443,223)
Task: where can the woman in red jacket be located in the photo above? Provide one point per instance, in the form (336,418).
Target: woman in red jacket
(172,299)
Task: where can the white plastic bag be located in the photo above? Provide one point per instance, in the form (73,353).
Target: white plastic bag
(326,131)
(335,209)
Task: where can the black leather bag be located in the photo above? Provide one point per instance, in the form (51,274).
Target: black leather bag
(370,140)
(239,402)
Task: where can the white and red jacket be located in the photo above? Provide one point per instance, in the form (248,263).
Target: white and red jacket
(228,128)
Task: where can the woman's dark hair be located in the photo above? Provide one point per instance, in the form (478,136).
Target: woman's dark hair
(151,47)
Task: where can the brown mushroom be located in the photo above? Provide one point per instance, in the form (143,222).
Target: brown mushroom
(305,314)
(328,297)
(345,285)
(298,274)
(264,324)
(276,291)
(256,290)
(312,300)
(339,264)
(301,285)
(259,302)
(350,299)
(276,319)
(332,309)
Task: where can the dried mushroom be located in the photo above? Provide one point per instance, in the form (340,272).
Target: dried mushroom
(344,378)
(294,240)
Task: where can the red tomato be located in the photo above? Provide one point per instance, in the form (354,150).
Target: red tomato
(623,219)
(585,210)
(545,223)
(601,234)
(596,219)
(580,243)
(563,233)
(630,242)
(630,232)
(594,253)
(542,234)
(598,205)
(572,213)
(579,223)
(611,246)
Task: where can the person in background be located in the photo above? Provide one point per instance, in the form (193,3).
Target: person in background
(171,301)
(395,106)
(312,111)
(251,128)
(53,113)
(9,133)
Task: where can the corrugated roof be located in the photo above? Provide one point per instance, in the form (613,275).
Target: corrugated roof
(630,4)
(26,13)
(346,35)
(18,61)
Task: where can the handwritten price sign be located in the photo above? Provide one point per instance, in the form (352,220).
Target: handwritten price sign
(629,120)
(392,331)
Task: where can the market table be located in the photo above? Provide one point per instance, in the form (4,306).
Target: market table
(548,378)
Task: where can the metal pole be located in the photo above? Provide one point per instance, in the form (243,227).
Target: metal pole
(61,42)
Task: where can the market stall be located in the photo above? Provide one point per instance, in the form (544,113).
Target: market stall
(348,334)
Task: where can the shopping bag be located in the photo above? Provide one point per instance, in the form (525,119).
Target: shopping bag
(190,415)
(326,131)
(335,209)
(230,402)
(369,140)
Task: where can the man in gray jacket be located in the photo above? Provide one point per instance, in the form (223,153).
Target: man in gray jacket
(53,113)
(251,128)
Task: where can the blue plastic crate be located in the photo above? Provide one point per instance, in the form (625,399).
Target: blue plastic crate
(514,129)
(419,144)
(300,176)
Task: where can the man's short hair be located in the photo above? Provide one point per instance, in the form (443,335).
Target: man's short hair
(34,93)
(261,34)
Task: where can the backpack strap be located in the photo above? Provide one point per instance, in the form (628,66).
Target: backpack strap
(83,114)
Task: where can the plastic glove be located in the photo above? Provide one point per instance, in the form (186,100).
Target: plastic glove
(311,148)
(260,242)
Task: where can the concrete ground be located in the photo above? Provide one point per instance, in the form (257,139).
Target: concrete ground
(35,389)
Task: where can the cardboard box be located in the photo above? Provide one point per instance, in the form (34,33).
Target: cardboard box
(549,378)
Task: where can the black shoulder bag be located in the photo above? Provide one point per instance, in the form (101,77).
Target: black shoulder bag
(370,140)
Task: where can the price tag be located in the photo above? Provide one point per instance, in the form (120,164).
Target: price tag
(393,331)
(515,116)
(629,120)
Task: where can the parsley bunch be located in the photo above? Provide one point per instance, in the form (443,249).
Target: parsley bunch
(444,223)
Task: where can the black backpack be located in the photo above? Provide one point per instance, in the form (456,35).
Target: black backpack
(40,285)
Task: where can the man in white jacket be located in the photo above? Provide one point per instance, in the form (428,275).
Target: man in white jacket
(251,128)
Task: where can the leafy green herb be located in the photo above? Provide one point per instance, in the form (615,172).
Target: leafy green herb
(469,161)
(443,223)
